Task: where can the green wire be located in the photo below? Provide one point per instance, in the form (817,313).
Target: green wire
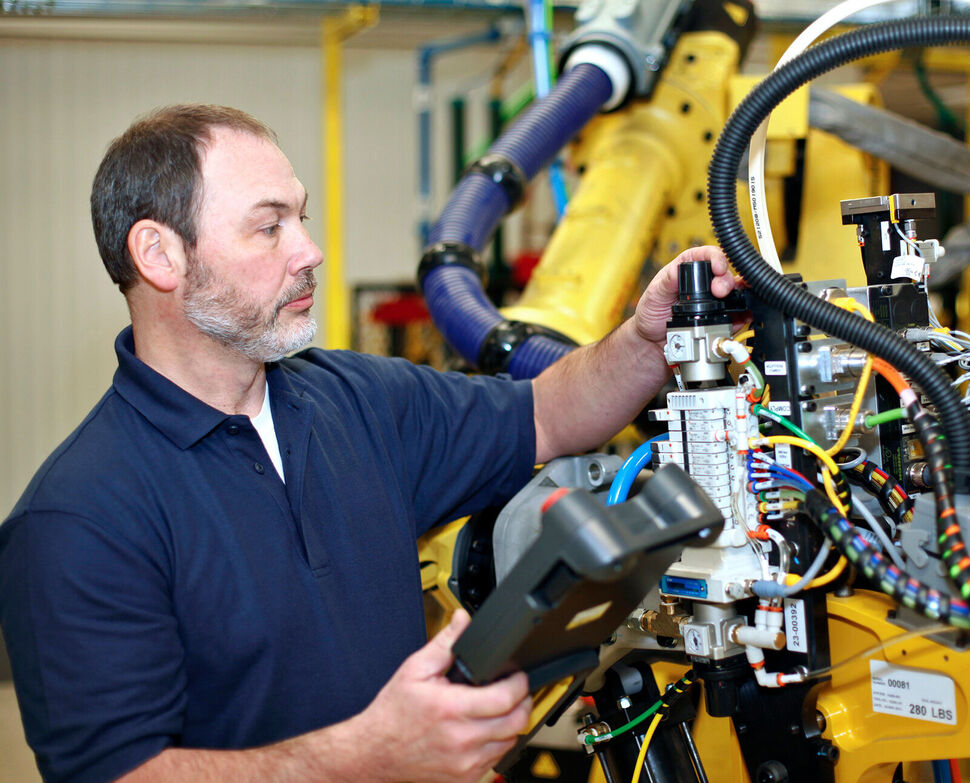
(590,739)
(875,419)
(761,410)
(948,120)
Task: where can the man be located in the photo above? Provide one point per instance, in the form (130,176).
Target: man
(214,577)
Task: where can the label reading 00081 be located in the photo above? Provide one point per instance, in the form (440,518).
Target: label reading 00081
(912,693)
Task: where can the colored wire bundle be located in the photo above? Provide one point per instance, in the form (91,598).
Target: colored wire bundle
(877,567)
(887,490)
(764,473)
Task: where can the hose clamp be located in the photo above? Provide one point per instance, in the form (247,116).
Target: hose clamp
(450,254)
(504,340)
(503,172)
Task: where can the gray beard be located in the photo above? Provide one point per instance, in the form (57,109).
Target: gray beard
(224,314)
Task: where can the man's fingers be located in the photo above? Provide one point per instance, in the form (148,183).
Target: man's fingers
(498,698)
(435,658)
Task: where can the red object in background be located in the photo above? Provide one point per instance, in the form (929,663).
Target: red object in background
(402,310)
(522,266)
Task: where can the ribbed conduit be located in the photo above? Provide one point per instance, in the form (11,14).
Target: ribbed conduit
(773,287)
(454,294)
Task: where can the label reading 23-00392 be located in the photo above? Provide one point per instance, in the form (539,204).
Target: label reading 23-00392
(912,693)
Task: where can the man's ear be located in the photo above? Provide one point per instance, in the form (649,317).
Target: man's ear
(158,253)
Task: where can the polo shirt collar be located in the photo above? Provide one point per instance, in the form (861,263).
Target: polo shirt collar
(178,415)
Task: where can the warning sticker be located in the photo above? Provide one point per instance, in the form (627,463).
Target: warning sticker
(776,368)
(912,693)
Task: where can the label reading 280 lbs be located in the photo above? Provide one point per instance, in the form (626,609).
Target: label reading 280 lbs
(912,693)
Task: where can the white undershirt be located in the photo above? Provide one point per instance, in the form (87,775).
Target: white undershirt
(263,422)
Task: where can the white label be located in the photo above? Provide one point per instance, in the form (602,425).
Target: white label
(908,266)
(912,693)
(884,226)
(783,454)
(781,407)
(795,625)
(776,368)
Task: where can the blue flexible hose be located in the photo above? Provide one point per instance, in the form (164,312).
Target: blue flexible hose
(630,469)
(454,295)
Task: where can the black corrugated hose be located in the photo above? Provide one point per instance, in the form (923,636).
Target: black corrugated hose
(772,286)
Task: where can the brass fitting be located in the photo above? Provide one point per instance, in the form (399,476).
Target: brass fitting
(664,621)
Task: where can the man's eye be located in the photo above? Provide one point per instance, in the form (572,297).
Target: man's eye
(270,231)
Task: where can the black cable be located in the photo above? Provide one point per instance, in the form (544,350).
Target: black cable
(772,286)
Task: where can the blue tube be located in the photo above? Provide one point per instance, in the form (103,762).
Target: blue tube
(630,469)
(474,210)
(941,772)
(463,313)
(455,298)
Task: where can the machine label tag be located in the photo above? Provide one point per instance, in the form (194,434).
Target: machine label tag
(912,693)
(795,625)
(781,407)
(884,231)
(776,368)
(783,454)
(910,266)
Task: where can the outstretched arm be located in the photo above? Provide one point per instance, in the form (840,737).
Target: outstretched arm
(592,393)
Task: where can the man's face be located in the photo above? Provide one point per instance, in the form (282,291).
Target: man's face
(250,278)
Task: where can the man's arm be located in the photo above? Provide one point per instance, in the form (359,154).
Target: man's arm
(593,392)
(420,727)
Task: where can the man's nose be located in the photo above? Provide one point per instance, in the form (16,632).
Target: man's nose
(308,255)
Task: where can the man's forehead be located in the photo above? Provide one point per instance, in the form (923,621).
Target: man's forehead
(248,170)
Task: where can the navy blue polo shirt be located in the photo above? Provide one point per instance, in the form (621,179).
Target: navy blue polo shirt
(161,586)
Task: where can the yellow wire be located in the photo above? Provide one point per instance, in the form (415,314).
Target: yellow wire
(832,494)
(742,336)
(642,756)
(848,303)
(830,467)
(824,579)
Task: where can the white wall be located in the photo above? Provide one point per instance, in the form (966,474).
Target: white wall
(65,94)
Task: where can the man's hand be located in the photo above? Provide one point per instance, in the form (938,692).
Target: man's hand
(593,392)
(424,728)
(653,309)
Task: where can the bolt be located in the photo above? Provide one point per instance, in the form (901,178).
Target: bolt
(805,347)
(772,772)
(828,752)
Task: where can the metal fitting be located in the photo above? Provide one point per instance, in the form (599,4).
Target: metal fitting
(666,621)
(593,730)
(639,31)
(693,349)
